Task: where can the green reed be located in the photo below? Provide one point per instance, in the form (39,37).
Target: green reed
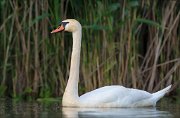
(134,43)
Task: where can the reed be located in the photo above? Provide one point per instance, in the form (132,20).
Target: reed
(134,43)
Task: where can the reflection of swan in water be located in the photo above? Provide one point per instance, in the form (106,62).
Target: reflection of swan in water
(150,112)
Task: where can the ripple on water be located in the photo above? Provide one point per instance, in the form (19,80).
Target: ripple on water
(9,108)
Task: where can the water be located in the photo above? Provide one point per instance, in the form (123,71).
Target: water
(11,109)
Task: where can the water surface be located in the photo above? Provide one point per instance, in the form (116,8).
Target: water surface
(12,109)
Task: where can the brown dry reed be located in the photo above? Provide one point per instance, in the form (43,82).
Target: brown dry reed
(134,43)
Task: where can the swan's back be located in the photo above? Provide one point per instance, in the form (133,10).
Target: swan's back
(113,96)
(119,96)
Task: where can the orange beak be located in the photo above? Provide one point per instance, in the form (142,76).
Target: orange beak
(59,29)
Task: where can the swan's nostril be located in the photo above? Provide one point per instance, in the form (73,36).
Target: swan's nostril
(59,29)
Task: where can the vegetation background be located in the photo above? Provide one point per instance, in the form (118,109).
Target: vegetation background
(134,43)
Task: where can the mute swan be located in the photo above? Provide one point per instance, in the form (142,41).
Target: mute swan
(108,96)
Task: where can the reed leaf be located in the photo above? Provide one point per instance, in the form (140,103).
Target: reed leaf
(125,42)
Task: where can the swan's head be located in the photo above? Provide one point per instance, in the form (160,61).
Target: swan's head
(70,25)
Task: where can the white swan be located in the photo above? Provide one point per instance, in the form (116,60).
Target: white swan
(108,96)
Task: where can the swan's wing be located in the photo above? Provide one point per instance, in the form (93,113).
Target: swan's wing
(136,95)
(105,94)
(116,95)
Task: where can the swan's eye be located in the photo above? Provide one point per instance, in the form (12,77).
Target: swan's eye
(64,23)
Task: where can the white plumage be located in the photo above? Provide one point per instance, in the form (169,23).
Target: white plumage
(108,96)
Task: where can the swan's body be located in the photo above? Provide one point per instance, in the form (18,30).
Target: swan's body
(108,96)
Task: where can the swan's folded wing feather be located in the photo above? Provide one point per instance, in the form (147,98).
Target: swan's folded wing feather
(105,94)
(115,94)
(136,95)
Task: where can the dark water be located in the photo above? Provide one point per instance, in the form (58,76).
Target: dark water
(12,109)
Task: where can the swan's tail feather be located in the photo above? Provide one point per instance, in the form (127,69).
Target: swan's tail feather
(159,94)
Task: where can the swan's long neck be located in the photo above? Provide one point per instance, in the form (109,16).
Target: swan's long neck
(71,91)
